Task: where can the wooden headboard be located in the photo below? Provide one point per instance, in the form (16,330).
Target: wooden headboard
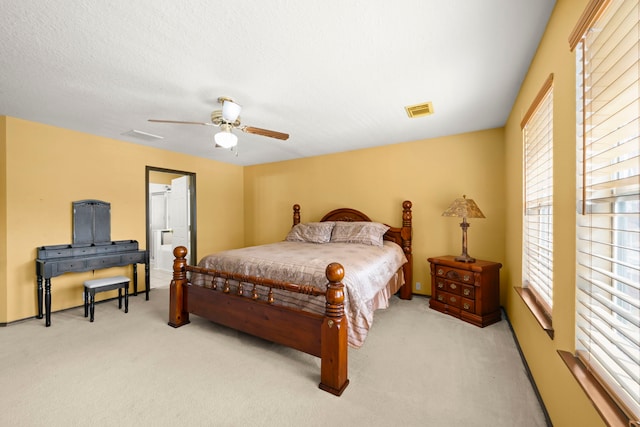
(345,214)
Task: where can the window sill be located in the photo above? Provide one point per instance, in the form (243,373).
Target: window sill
(611,414)
(536,309)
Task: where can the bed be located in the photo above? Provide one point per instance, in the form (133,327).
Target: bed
(304,298)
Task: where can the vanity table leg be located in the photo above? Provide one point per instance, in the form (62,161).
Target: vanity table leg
(39,316)
(47,301)
(135,279)
(147,284)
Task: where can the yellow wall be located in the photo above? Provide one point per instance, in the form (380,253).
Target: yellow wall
(565,401)
(3,219)
(47,168)
(431,173)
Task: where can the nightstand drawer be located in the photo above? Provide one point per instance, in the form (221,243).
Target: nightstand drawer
(449,286)
(468,291)
(455,274)
(449,299)
(468,305)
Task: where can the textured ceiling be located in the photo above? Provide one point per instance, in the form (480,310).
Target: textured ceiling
(335,75)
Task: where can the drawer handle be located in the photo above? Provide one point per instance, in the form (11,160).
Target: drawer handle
(440,298)
(440,271)
(452,286)
(440,285)
(452,299)
(466,292)
(466,306)
(467,278)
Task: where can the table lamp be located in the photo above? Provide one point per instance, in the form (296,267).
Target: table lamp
(464,208)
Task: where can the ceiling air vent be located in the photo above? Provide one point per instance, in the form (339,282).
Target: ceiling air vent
(419,110)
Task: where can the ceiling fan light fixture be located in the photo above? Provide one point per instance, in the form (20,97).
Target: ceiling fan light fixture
(225,138)
(230,110)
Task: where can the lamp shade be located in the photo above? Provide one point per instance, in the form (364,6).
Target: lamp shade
(464,208)
(225,138)
(230,110)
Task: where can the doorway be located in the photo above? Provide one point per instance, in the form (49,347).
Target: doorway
(171,220)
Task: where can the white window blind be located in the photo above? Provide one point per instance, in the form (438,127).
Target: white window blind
(608,200)
(538,198)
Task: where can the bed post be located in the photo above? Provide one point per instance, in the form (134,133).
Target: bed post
(178,315)
(333,354)
(406,292)
(296,214)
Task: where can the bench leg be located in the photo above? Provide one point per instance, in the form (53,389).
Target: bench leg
(126,299)
(92,305)
(86,302)
(119,298)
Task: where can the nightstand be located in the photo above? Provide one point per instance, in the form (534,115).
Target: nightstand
(467,290)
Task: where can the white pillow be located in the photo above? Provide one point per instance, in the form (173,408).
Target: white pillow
(313,232)
(364,232)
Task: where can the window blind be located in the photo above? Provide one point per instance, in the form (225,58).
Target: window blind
(608,200)
(538,198)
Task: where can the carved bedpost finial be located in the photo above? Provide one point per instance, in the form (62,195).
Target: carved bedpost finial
(335,290)
(406,213)
(407,217)
(296,214)
(179,263)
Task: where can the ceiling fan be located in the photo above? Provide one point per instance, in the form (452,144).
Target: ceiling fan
(228,119)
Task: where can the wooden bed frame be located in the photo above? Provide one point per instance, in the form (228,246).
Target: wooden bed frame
(323,336)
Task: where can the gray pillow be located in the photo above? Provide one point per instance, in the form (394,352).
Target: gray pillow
(313,232)
(364,232)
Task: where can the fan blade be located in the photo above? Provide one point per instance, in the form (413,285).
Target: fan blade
(266,132)
(181,123)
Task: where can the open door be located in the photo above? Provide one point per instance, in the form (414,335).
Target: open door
(171,220)
(179,213)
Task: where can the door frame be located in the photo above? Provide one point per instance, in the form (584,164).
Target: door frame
(192,255)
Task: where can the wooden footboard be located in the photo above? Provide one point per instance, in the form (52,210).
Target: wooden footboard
(321,336)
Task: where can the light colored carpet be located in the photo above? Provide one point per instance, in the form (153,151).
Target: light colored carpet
(417,367)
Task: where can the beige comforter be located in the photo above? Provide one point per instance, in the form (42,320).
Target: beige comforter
(368,269)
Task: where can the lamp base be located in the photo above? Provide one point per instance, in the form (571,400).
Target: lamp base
(465,258)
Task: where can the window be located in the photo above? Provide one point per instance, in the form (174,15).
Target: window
(607,48)
(537,256)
